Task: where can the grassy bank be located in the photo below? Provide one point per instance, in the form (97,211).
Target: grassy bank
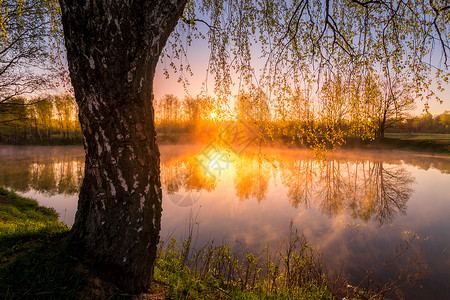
(432,144)
(35,261)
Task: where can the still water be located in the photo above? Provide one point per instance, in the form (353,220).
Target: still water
(359,209)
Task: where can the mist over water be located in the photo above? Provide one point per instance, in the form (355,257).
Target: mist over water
(357,208)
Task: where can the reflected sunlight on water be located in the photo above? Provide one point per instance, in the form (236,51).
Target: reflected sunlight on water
(357,208)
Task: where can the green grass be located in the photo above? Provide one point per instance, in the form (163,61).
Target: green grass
(35,256)
(425,143)
(38,261)
(23,221)
(434,146)
(216,272)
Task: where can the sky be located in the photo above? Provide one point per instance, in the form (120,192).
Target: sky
(198,56)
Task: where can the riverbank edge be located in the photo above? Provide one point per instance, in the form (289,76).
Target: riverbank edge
(38,260)
(424,146)
(419,146)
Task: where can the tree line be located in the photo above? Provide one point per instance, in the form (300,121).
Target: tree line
(369,113)
(51,119)
(54,119)
(425,123)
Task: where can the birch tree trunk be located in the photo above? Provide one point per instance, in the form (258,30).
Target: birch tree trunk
(112,49)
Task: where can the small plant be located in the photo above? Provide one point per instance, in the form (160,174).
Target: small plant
(292,272)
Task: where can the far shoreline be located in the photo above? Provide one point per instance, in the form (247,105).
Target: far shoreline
(435,147)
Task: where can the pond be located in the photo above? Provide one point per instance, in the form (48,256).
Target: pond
(360,209)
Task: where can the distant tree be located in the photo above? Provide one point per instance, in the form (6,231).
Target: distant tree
(191,109)
(65,110)
(43,117)
(392,106)
(14,119)
(170,108)
(253,106)
(444,121)
(336,99)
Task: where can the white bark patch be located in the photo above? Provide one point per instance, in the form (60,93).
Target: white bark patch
(123,122)
(147,189)
(91,62)
(118,26)
(140,132)
(96,105)
(105,140)
(132,156)
(99,147)
(123,183)
(124,260)
(112,188)
(141,83)
(136,182)
(130,74)
(141,203)
(140,229)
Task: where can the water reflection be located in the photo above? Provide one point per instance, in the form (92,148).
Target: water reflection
(364,189)
(42,169)
(251,179)
(183,182)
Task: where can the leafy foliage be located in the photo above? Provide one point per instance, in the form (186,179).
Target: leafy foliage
(293,49)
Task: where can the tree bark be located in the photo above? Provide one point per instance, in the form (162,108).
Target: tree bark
(112,49)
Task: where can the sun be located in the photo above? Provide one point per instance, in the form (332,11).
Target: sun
(213,115)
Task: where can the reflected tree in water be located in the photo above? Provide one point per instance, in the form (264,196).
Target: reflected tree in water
(386,191)
(185,175)
(299,177)
(364,189)
(252,177)
(332,190)
(48,175)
